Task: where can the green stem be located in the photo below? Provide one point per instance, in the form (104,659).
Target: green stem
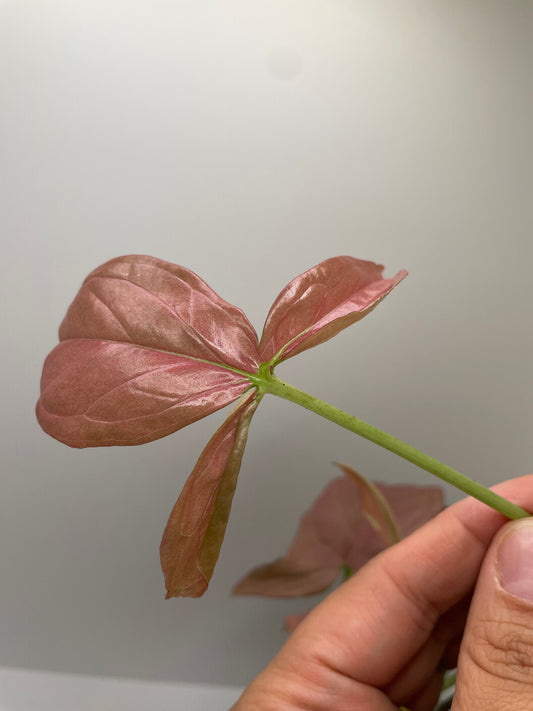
(266,382)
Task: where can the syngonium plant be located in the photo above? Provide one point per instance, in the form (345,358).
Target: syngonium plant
(147,347)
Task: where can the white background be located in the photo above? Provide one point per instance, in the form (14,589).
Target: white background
(249,140)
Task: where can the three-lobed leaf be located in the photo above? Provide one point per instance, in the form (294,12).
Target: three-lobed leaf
(147,347)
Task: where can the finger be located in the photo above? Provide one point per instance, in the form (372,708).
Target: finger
(496,658)
(432,658)
(427,697)
(377,621)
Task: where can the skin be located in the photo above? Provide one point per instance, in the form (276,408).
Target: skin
(433,601)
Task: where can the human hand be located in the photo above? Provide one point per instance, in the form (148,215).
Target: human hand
(459,591)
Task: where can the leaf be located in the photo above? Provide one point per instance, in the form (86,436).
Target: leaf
(374,507)
(322,301)
(99,393)
(412,505)
(335,532)
(152,303)
(195,530)
(130,366)
(314,558)
(291,577)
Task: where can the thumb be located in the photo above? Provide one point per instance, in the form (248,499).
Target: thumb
(495,668)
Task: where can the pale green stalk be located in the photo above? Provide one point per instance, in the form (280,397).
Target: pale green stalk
(267,382)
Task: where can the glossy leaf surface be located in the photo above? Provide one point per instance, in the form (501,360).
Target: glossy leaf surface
(98,393)
(152,303)
(195,530)
(321,302)
(334,533)
(147,347)
(127,369)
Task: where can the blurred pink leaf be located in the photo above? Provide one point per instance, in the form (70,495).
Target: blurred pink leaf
(322,301)
(334,533)
(374,507)
(193,536)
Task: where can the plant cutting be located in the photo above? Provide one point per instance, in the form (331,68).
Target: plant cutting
(147,347)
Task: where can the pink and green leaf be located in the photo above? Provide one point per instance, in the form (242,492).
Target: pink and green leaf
(322,301)
(195,530)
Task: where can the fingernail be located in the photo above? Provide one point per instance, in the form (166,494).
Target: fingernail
(515,559)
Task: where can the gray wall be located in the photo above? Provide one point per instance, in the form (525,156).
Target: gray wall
(249,140)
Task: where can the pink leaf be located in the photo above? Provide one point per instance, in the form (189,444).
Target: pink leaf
(96,393)
(195,530)
(156,304)
(319,303)
(317,552)
(146,348)
(412,505)
(374,507)
(335,532)
(291,576)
